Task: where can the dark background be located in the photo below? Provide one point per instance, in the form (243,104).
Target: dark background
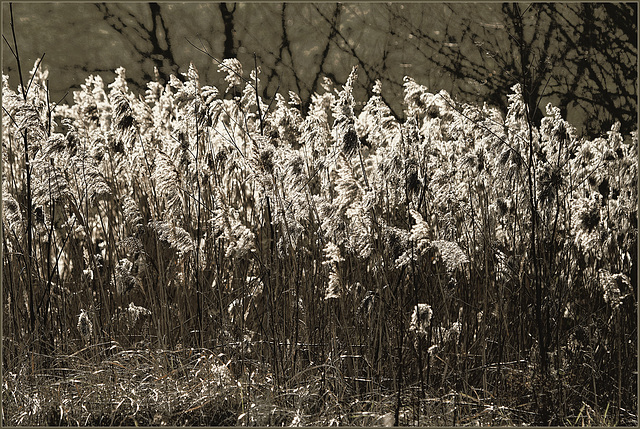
(580,56)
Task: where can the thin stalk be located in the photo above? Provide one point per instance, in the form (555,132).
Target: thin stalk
(400,369)
(27,162)
(198,233)
(420,338)
(533,203)
(255,61)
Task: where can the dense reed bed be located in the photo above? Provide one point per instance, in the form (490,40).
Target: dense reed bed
(199,255)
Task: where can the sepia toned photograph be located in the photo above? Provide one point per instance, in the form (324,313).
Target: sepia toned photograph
(319,214)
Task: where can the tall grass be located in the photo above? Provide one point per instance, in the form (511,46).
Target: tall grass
(335,266)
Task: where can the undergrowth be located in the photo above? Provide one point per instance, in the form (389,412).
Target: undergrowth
(203,256)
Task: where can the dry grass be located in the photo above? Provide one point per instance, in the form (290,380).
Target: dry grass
(201,258)
(104,385)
